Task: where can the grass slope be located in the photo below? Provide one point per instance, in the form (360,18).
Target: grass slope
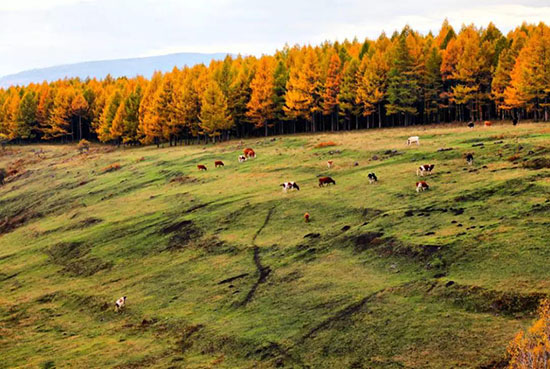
(221,271)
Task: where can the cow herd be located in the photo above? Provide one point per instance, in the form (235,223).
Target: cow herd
(248,153)
(424,169)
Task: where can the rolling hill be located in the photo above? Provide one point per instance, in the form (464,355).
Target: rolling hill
(221,271)
(117,68)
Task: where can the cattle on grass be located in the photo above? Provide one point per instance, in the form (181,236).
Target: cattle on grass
(413,139)
(289,186)
(326,181)
(249,153)
(422,186)
(218,163)
(120,303)
(201,167)
(425,169)
(372,178)
(470,158)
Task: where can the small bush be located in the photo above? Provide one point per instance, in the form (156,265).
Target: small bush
(111,168)
(140,159)
(325,144)
(83,145)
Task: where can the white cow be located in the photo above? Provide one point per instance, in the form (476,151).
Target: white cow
(413,139)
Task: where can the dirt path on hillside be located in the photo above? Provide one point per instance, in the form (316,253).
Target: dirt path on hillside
(263,271)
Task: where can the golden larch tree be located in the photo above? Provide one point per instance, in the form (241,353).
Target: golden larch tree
(261,107)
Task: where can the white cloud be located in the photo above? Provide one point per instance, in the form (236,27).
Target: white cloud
(38,33)
(34,5)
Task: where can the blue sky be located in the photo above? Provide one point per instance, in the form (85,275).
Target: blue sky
(40,33)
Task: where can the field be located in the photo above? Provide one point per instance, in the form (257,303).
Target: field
(220,269)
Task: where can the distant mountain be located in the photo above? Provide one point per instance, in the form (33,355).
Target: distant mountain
(118,67)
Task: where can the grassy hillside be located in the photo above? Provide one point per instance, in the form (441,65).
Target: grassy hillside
(221,271)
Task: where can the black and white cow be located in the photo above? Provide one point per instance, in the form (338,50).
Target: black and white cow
(120,303)
(425,169)
(471,124)
(372,178)
(289,186)
(242,158)
(470,158)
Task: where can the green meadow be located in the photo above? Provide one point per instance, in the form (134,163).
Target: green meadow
(220,269)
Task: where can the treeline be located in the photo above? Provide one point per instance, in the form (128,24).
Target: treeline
(408,78)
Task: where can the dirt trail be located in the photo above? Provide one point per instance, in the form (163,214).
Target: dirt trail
(263,271)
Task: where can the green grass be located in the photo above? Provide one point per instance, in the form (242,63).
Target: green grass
(382,277)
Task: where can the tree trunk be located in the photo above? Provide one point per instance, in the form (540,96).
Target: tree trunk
(80,125)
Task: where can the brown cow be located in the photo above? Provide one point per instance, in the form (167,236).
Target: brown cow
(487,123)
(249,153)
(326,181)
(330,163)
(218,163)
(201,167)
(306,217)
(422,186)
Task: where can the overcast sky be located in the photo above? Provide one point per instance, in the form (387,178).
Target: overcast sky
(40,33)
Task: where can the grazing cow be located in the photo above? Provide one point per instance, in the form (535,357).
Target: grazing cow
(372,178)
(487,123)
(470,158)
(249,153)
(289,186)
(471,124)
(422,186)
(326,181)
(425,169)
(201,167)
(515,121)
(242,158)
(330,163)
(306,217)
(120,303)
(218,163)
(413,139)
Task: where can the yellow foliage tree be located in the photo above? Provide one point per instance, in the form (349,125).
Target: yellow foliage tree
(261,107)
(531,350)
(214,116)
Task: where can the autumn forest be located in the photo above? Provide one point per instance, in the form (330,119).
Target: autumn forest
(405,79)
